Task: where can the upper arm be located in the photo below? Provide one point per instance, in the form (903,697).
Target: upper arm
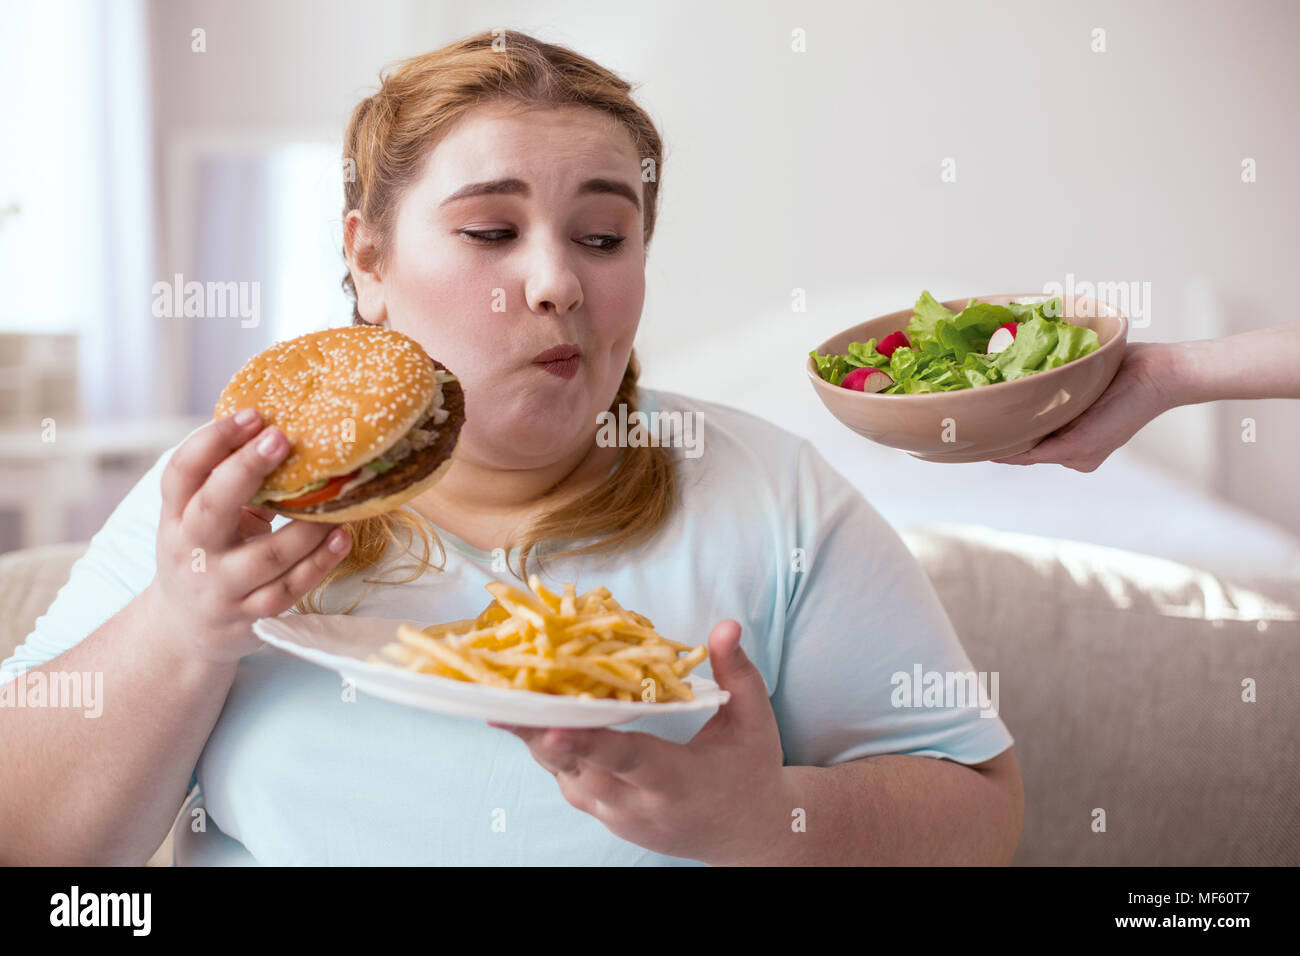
(862,619)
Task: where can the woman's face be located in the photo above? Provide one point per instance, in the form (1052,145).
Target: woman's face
(504,248)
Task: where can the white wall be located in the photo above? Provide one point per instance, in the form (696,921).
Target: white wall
(821,170)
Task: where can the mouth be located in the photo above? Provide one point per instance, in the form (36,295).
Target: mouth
(565,369)
(559,353)
(562,360)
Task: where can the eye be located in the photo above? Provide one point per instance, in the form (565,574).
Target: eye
(492,235)
(610,243)
(606,243)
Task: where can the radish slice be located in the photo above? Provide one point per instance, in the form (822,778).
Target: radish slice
(877,381)
(892,341)
(855,379)
(867,379)
(1001,339)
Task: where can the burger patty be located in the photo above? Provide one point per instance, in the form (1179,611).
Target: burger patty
(408,470)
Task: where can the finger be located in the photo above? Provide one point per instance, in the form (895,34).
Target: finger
(1024,458)
(594,791)
(277,596)
(209,516)
(264,559)
(252,524)
(263,512)
(584,785)
(629,754)
(636,758)
(735,672)
(551,758)
(1054,449)
(191,463)
(1030,456)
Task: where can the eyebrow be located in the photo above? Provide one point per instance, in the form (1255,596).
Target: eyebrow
(517,187)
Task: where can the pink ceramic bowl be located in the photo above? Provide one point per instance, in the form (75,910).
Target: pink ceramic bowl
(990,421)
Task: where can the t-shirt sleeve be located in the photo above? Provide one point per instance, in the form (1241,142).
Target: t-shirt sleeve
(118,564)
(865,629)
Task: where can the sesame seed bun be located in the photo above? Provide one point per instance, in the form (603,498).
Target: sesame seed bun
(344,397)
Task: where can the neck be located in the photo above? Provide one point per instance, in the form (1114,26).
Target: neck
(478,488)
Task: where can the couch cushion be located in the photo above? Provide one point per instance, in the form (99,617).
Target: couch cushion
(1121,677)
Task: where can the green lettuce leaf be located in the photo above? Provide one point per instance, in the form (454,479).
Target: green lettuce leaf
(948,350)
(1072,342)
(832,368)
(925,315)
(1024,356)
(864,353)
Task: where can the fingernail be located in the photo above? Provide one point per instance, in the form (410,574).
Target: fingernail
(269,445)
(246,417)
(339,541)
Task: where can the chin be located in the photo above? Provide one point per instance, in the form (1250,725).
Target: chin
(539,438)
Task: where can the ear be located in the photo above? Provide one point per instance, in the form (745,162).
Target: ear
(359,243)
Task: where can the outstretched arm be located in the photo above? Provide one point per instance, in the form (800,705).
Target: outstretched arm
(1157,376)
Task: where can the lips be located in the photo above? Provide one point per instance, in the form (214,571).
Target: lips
(558,354)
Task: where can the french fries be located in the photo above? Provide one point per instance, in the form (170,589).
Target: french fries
(585,645)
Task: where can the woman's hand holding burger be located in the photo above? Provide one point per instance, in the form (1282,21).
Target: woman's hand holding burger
(218,568)
(362,420)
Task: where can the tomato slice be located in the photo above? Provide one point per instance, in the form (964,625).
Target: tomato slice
(320,494)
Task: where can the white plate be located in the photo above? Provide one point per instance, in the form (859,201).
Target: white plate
(341,643)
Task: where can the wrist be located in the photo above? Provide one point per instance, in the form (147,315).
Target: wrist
(1180,373)
(163,635)
(775,833)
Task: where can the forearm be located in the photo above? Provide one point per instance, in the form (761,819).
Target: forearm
(1263,363)
(897,810)
(105,789)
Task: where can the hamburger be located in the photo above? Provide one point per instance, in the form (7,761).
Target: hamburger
(371,420)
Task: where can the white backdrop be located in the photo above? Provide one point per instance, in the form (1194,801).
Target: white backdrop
(821,170)
(79,257)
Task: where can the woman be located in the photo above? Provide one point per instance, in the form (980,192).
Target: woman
(503,200)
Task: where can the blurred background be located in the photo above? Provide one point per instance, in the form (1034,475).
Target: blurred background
(847,155)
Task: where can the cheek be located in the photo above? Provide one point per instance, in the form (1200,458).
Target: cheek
(618,296)
(441,301)
(430,280)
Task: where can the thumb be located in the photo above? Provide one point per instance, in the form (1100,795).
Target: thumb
(736,673)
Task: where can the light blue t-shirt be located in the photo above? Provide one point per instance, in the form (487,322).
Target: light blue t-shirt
(832,603)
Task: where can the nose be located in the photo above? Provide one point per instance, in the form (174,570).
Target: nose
(551,284)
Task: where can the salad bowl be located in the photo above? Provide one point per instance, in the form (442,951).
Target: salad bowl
(985,422)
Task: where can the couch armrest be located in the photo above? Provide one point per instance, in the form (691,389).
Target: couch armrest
(29,581)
